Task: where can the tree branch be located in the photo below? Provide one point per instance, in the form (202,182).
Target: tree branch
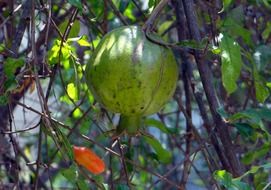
(206,77)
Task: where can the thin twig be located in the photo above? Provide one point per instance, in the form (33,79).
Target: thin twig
(117,12)
(154,15)
(23,130)
(38,160)
(209,159)
(103,147)
(124,165)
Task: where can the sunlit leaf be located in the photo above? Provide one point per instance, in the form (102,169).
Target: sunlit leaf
(231,63)
(129,12)
(74,29)
(72,91)
(77,113)
(223,177)
(216,50)
(83,41)
(96,42)
(66,51)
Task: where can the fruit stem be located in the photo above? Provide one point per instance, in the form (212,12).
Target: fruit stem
(129,124)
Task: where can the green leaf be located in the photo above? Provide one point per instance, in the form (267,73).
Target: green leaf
(237,14)
(267,31)
(223,177)
(74,30)
(260,180)
(70,173)
(241,185)
(116,2)
(254,114)
(254,118)
(231,63)
(83,41)
(163,27)
(2,47)
(63,142)
(65,51)
(244,129)
(53,53)
(226,4)
(59,138)
(152,4)
(157,124)
(233,24)
(261,89)
(262,57)
(122,187)
(11,65)
(164,156)
(263,113)
(77,113)
(72,91)
(77,4)
(255,169)
(3,100)
(82,185)
(129,12)
(267,3)
(216,50)
(251,156)
(236,29)
(123,5)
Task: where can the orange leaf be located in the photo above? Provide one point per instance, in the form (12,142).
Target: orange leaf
(88,159)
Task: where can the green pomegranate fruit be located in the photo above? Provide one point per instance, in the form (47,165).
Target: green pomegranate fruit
(130,75)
